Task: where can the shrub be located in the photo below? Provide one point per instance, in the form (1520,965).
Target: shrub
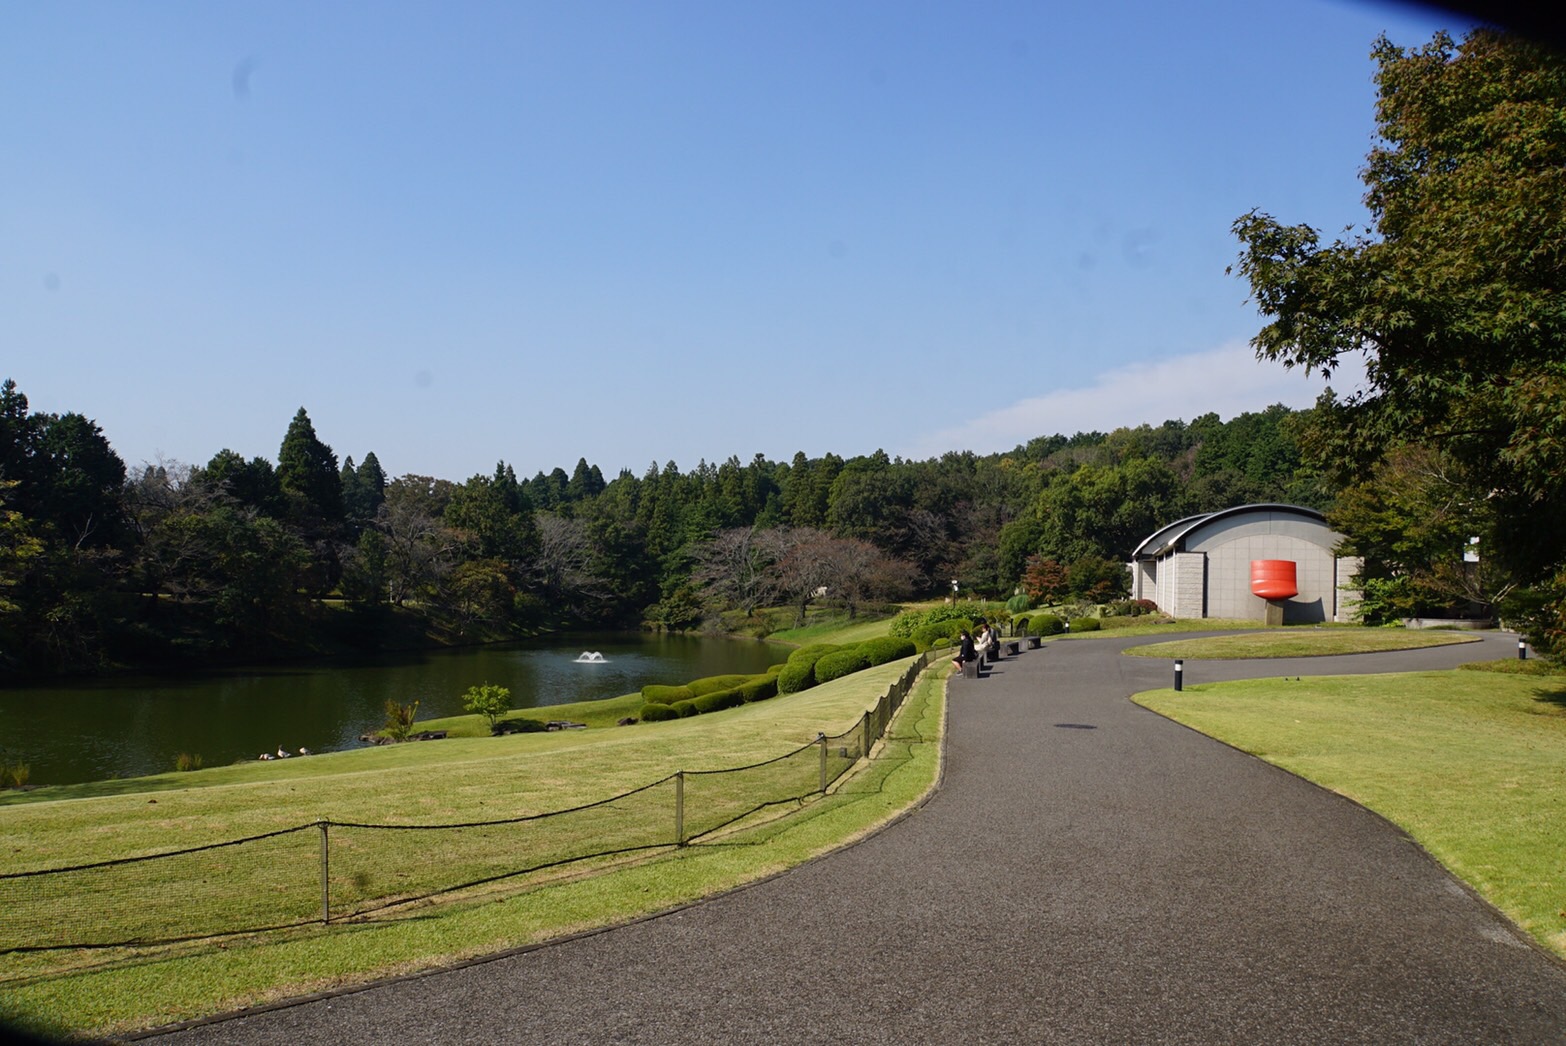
(760,688)
(491,702)
(797,677)
(1047,625)
(887,648)
(800,671)
(713,684)
(1019,603)
(652,713)
(1147,605)
(840,663)
(928,635)
(399,720)
(14,775)
(685,709)
(187,761)
(717,701)
(1086,624)
(657,694)
(907,623)
(812,653)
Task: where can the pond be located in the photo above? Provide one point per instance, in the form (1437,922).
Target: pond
(130,726)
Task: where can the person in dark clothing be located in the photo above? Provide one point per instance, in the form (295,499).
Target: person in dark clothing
(965,651)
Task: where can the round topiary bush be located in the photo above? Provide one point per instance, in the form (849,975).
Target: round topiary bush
(656,693)
(685,709)
(928,635)
(1086,624)
(797,676)
(887,648)
(812,653)
(839,664)
(1046,625)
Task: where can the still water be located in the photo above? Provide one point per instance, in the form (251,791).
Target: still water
(127,727)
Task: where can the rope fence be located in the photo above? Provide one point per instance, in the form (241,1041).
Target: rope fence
(329,871)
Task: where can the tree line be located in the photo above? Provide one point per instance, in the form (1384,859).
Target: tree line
(104,565)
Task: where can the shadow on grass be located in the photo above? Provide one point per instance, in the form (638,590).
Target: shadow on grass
(1554,694)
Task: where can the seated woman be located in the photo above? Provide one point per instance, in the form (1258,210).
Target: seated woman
(965,650)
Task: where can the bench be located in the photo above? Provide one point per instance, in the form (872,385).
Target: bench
(1013,647)
(1033,642)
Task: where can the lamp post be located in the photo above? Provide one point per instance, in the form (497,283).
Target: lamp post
(1179,674)
(1522,649)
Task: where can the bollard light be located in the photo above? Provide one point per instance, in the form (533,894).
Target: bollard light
(1522,650)
(1179,673)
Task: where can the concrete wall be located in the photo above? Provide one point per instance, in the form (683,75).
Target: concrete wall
(1348,595)
(1182,589)
(1231,544)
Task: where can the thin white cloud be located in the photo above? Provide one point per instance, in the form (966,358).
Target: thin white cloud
(1227,381)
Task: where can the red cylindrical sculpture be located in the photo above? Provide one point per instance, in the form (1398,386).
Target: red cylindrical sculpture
(1274,578)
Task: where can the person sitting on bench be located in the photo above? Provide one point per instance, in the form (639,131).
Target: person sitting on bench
(965,650)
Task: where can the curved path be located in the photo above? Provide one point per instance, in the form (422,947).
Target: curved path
(1089,872)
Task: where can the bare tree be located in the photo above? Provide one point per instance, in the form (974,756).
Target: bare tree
(804,565)
(859,571)
(738,567)
(564,567)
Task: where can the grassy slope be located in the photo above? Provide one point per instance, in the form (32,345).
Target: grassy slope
(487,777)
(1471,764)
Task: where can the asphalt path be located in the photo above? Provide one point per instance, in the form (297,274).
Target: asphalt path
(1088,872)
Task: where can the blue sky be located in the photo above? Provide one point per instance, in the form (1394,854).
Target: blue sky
(649,231)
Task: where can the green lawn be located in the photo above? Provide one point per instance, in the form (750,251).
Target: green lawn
(1299,642)
(1471,764)
(431,782)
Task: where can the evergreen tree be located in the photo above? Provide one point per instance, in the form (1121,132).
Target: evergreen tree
(307,470)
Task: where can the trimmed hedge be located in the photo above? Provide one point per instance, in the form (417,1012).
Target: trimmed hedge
(887,648)
(841,663)
(760,688)
(658,694)
(1046,625)
(1086,624)
(812,653)
(685,709)
(717,701)
(713,684)
(652,713)
(904,624)
(797,677)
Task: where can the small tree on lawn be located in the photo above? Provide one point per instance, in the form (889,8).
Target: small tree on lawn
(399,719)
(491,702)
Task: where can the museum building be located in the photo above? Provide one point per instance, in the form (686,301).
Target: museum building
(1266,563)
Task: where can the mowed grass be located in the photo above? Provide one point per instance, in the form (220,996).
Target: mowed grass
(115,991)
(1299,642)
(1471,764)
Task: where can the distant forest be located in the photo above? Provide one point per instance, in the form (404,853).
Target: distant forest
(104,566)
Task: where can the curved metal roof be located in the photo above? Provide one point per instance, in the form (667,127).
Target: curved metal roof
(1165,540)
